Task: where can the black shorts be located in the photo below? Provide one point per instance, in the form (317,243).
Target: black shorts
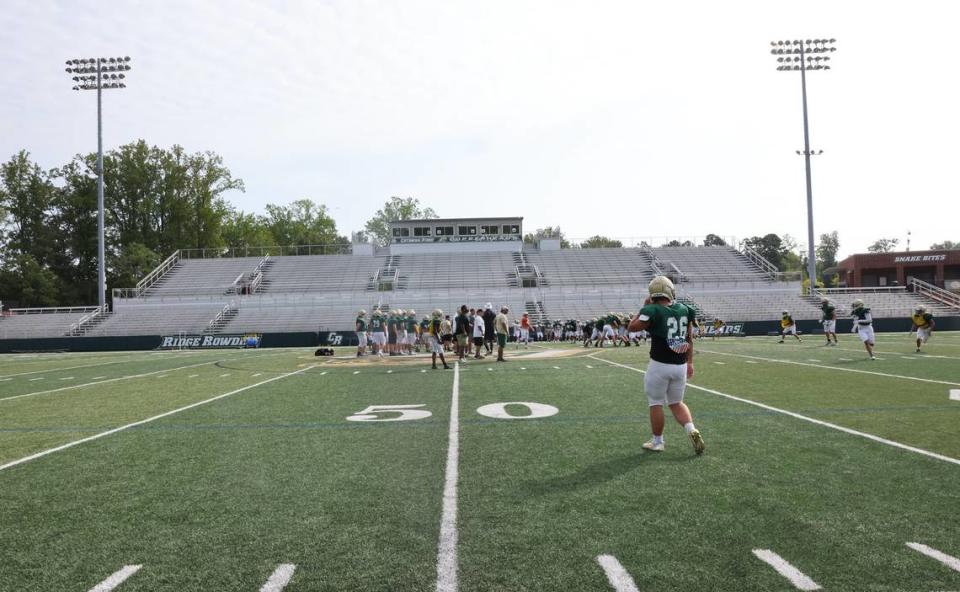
(478,340)
(447,338)
(392,339)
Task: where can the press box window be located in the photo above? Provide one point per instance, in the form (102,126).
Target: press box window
(467,230)
(489,230)
(511,229)
(398,232)
(444,231)
(420,231)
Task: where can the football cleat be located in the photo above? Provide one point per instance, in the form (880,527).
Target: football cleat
(651,444)
(697,439)
(661,287)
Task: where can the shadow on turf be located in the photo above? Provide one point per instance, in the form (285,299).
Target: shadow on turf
(598,473)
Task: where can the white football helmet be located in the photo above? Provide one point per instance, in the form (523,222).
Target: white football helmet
(411,313)
(437,313)
(921,309)
(362,313)
(661,287)
(786,312)
(857,304)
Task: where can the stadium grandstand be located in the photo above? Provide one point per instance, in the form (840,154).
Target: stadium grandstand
(443,264)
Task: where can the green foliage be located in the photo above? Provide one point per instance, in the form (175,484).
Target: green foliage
(131,264)
(532,238)
(676,243)
(770,247)
(303,222)
(27,283)
(945,246)
(827,249)
(600,242)
(712,240)
(884,245)
(396,208)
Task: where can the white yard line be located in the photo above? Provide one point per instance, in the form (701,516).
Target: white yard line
(948,560)
(799,579)
(752,362)
(447,548)
(69,368)
(279,578)
(228,374)
(146,421)
(618,577)
(258,374)
(835,368)
(808,419)
(76,386)
(117,578)
(954,395)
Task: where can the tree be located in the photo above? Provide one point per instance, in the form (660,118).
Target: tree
(245,230)
(532,238)
(884,245)
(945,246)
(397,208)
(712,240)
(24,281)
(770,247)
(26,194)
(131,265)
(303,222)
(827,249)
(600,242)
(676,243)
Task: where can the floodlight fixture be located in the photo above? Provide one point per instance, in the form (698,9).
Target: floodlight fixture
(99,74)
(795,55)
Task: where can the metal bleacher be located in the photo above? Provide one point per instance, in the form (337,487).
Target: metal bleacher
(213,276)
(157,319)
(41,322)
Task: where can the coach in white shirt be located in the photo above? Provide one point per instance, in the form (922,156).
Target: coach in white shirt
(478,326)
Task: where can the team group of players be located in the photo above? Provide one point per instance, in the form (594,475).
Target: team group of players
(922,323)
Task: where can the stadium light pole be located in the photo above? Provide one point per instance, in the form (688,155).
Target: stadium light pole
(99,74)
(793,55)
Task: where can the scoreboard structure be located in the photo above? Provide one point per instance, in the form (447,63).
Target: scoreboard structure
(439,235)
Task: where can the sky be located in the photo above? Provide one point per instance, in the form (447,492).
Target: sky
(629,119)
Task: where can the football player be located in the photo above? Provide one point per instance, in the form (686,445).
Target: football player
(829,320)
(788,326)
(433,337)
(377,328)
(412,328)
(863,326)
(923,324)
(717,328)
(671,360)
(361,333)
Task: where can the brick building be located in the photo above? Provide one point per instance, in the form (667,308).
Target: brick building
(941,268)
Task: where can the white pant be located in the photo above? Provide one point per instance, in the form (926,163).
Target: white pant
(434,344)
(378,338)
(524,334)
(361,339)
(665,383)
(830,326)
(923,333)
(866,333)
(608,332)
(788,330)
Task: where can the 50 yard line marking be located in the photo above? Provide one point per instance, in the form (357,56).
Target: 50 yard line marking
(148,420)
(447,548)
(805,418)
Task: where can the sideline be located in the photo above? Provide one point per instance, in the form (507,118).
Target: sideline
(447,548)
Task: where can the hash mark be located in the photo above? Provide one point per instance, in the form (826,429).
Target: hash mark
(619,578)
(799,579)
(117,578)
(948,560)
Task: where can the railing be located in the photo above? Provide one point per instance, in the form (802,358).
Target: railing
(76,328)
(866,290)
(157,273)
(935,293)
(54,309)
(758,259)
(283,251)
(234,287)
(213,322)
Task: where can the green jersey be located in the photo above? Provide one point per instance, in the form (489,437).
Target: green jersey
(411,325)
(862,316)
(829,311)
(376,324)
(668,331)
(361,324)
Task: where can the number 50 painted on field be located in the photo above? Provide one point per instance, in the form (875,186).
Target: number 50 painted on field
(412,412)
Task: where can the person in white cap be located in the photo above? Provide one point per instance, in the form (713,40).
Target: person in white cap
(489,335)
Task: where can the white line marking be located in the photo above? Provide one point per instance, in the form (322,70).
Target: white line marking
(69,368)
(279,578)
(423,372)
(799,580)
(33,379)
(720,363)
(589,366)
(832,367)
(323,373)
(5,379)
(908,357)
(489,369)
(148,420)
(948,560)
(228,374)
(556,367)
(805,418)
(955,394)
(116,578)
(523,368)
(163,376)
(356,372)
(845,359)
(67,378)
(76,386)
(257,374)
(98,378)
(618,577)
(447,548)
(389,371)
(752,362)
(193,376)
(815,361)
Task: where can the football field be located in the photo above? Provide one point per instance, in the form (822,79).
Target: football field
(276,470)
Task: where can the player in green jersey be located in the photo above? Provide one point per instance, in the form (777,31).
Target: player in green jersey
(829,320)
(361,333)
(671,360)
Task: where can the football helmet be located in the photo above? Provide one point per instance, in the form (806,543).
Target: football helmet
(661,287)
(786,312)
(437,313)
(411,313)
(857,304)
(920,309)
(362,313)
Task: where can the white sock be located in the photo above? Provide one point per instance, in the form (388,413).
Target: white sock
(658,439)
(689,427)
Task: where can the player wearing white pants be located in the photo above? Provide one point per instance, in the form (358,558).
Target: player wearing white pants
(665,384)
(863,326)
